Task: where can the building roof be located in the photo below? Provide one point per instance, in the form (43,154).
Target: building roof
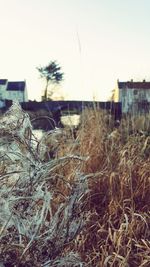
(134,85)
(3,81)
(16,86)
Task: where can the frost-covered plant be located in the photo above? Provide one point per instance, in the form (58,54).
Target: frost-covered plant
(37,221)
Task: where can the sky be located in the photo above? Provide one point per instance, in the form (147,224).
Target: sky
(95,42)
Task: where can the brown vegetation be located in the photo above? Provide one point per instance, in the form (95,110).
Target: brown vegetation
(88,205)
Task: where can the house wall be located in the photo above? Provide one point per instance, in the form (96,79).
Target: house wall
(21,96)
(15,95)
(25,95)
(116,94)
(2,104)
(3,92)
(134,100)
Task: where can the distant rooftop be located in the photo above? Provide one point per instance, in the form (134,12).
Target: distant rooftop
(134,85)
(3,81)
(16,86)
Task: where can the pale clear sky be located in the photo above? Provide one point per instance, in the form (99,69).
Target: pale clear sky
(96,42)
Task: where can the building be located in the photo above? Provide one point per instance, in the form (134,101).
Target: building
(13,91)
(134,96)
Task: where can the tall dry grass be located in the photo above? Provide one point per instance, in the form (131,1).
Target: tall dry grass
(87,197)
(117,231)
(118,228)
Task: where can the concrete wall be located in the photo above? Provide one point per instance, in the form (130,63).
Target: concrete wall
(57,107)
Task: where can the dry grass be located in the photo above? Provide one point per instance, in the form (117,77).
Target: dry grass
(117,232)
(88,205)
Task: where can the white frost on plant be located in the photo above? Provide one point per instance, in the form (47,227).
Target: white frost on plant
(15,121)
(28,189)
(5,212)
